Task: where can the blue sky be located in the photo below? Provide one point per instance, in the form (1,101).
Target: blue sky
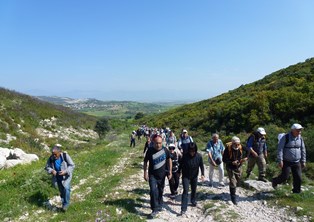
(148,50)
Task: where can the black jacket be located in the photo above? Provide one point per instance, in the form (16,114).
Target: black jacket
(190,165)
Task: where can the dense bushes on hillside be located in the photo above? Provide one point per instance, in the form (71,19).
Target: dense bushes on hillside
(279,99)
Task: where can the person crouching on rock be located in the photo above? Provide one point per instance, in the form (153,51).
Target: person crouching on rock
(190,165)
(61,166)
(233,158)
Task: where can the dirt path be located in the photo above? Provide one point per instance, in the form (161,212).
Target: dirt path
(213,203)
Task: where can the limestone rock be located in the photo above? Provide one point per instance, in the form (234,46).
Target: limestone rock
(5,152)
(259,185)
(2,161)
(12,163)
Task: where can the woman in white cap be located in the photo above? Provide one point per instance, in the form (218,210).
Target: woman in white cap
(233,158)
(291,156)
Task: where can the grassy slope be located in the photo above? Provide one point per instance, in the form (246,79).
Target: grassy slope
(19,109)
(27,187)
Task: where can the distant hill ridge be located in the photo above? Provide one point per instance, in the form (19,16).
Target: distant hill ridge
(280,98)
(116,109)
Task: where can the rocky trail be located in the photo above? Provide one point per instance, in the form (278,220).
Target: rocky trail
(213,203)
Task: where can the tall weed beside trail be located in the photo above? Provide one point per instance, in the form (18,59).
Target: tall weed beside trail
(23,187)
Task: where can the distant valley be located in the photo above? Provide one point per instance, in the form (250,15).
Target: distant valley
(111,109)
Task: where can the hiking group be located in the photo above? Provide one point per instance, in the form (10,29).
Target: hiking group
(165,156)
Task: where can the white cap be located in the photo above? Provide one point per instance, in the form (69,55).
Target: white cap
(296,126)
(58,145)
(261,131)
(235,139)
(172,145)
(184,131)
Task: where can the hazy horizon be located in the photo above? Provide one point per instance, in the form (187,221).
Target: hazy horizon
(148,50)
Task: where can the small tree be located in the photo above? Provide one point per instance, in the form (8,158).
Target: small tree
(102,127)
(139,115)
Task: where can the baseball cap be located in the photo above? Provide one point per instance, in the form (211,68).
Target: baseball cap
(171,145)
(296,126)
(261,131)
(184,131)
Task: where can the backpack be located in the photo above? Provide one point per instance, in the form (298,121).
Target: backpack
(254,135)
(286,135)
(280,135)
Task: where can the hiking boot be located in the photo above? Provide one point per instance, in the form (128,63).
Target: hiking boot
(210,184)
(172,196)
(273,184)
(64,208)
(295,191)
(154,214)
(233,196)
(221,184)
(183,213)
(194,204)
(247,176)
(234,199)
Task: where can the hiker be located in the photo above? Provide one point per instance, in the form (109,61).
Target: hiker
(61,166)
(163,136)
(233,158)
(189,165)
(291,156)
(171,139)
(215,149)
(257,153)
(184,142)
(174,181)
(139,134)
(158,159)
(132,139)
(147,145)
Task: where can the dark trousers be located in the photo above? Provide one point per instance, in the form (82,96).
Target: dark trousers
(132,142)
(296,174)
(156,191)
(186,182)
(174,183)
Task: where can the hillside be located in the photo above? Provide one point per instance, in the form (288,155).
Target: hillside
(32,124)
(280,98)
(274,102)
(111,109)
